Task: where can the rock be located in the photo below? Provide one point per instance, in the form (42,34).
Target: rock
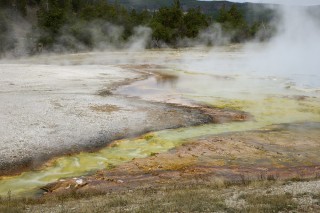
(79,181)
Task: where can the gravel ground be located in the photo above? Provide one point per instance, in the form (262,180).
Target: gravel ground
(50,110)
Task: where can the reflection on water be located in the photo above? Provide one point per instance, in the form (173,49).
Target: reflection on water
(165,79)
(196,85)
(267,99)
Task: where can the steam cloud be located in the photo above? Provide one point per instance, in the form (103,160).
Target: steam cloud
(282,2)
(293,53)
(105,36)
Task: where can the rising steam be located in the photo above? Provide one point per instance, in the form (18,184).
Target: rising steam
(293,53)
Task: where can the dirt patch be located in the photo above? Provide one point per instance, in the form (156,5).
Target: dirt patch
(105,108)
(142,67)
(164,78)
(107,91)
(225,115)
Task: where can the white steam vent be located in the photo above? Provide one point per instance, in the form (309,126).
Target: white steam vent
(293,52)
(283,2)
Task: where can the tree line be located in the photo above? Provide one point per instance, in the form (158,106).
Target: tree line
(85,24)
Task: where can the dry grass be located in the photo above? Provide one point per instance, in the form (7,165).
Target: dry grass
(9,204)
(269,203)
(317,198)
(197,196)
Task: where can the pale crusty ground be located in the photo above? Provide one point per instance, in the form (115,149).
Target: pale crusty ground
(49,110)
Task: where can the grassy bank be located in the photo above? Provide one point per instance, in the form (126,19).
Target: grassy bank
(194,196)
